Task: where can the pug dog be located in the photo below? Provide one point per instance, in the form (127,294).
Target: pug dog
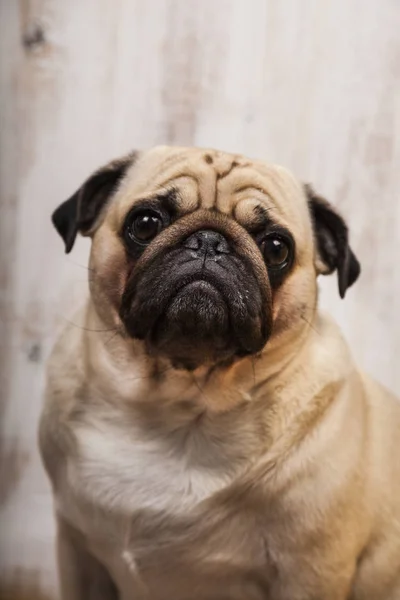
(207,433)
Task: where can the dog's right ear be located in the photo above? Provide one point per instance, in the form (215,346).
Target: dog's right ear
(80,213)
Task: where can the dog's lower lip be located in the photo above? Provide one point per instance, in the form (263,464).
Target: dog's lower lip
(200,283)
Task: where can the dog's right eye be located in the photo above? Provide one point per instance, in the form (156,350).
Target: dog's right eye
(143,226)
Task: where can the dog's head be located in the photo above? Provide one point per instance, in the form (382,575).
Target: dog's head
(203,255)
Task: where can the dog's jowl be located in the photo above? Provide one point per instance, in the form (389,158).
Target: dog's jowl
(206,431)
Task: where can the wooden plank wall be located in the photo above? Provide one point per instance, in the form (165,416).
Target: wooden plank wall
(313,85)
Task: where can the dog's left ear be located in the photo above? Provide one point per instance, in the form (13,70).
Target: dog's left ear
(81,212)
(332,238)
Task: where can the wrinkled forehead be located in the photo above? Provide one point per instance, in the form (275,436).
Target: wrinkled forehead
(231,184)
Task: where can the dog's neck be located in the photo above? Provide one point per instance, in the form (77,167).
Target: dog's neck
(236,405)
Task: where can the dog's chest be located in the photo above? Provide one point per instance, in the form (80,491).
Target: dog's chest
(125,470)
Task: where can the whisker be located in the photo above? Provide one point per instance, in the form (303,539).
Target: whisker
(310,324)
(196,383)
(73,262)
(111,338)
(88,328)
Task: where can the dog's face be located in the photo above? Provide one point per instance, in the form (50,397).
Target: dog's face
(203,255)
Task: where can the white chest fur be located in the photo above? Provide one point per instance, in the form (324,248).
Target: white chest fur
(128,469)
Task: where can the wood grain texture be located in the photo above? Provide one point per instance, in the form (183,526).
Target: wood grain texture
(312,85)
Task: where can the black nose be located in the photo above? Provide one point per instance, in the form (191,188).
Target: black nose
(207,242)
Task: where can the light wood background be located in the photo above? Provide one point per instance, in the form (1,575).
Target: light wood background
(313,85)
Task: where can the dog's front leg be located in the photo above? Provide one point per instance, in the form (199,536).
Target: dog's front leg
(81,575)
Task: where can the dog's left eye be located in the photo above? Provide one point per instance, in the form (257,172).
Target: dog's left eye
(144,226)
(276,252)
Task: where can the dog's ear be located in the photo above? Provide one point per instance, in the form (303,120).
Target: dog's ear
(80,213)
(332,239)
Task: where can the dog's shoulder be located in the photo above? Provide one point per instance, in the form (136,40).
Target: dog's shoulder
(65,384)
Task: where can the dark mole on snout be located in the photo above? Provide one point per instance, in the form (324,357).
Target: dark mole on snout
(208,159)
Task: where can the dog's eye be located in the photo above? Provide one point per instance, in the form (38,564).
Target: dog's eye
(144,226)
(276,252)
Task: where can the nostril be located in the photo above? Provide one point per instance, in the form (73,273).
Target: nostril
(193,243)
(222,247)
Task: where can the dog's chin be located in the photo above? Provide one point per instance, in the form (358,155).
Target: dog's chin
(194,329)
